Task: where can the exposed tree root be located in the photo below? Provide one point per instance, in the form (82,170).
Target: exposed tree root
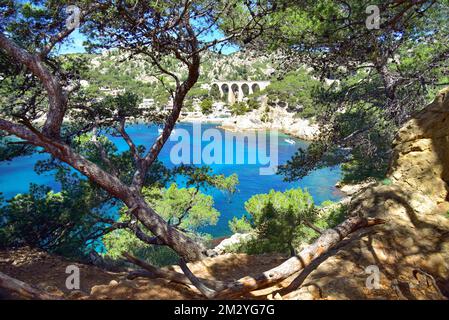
(207,292)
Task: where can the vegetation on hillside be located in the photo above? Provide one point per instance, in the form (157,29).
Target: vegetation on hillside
(283,221)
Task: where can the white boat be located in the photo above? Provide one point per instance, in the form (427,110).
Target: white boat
(291,141)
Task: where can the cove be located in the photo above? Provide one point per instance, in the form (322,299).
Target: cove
(15,176)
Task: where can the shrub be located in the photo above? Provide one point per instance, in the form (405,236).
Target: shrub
(239,108)
(206,106)
(281,221)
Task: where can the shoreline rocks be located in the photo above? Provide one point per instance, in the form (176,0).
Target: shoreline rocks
(277,119)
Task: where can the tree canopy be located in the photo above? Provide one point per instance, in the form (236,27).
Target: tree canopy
(382,73)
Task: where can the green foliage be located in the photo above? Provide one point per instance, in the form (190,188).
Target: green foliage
(239,108)
(242,225)
(206,106)
(215,93)
(185,208)
(278,217)
(252,104)
(332,214)
(189,209)
(120,241)
(198,92)
(59,223)
(281,221)
(365,126)
(265,115)
(296,91)
(382,79)
(203,177)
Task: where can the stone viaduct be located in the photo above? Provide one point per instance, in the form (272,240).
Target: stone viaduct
(237,90)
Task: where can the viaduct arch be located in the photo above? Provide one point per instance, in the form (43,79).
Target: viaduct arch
(237,90)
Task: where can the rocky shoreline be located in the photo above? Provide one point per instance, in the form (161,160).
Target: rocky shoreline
(276,119)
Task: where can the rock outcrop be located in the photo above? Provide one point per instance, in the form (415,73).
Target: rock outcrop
(277,118)
(233,240)
(411,251)
(421,151)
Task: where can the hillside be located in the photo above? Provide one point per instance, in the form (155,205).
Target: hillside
(136,74)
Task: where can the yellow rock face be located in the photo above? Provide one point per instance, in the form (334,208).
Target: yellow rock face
(421,151)
(415,240)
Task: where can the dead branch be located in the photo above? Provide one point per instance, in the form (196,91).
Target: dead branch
(23,289)
(216,289)
(323,244)
(206,291)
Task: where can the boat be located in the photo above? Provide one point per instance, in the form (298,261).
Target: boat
(291,141)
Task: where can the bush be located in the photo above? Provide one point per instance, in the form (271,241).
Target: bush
(186,207)
(242,225)
(206,106)
(278,219)
(54,222)
(239,108)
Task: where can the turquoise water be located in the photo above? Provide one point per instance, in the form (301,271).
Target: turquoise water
(15,176)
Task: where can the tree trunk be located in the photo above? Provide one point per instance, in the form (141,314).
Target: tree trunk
(170,236)
(22,289)
(324,243)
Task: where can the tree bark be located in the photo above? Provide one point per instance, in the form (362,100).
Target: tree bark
(205,290)
(170,236)
(324,243)
(24,290)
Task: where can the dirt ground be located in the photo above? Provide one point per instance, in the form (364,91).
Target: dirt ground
(48,273)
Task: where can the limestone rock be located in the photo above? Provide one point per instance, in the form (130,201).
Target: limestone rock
(113,283)
(421,151)
(278,118)
(235,239)
(416,235)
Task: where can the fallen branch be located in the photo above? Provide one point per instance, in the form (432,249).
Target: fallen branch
(152,272)
(216,289)
(206,291)
(23,289)
(324,243)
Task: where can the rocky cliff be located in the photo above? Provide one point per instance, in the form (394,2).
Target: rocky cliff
(411,251)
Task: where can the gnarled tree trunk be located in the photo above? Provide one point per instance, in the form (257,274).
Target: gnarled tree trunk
(217,289)
(323,244)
